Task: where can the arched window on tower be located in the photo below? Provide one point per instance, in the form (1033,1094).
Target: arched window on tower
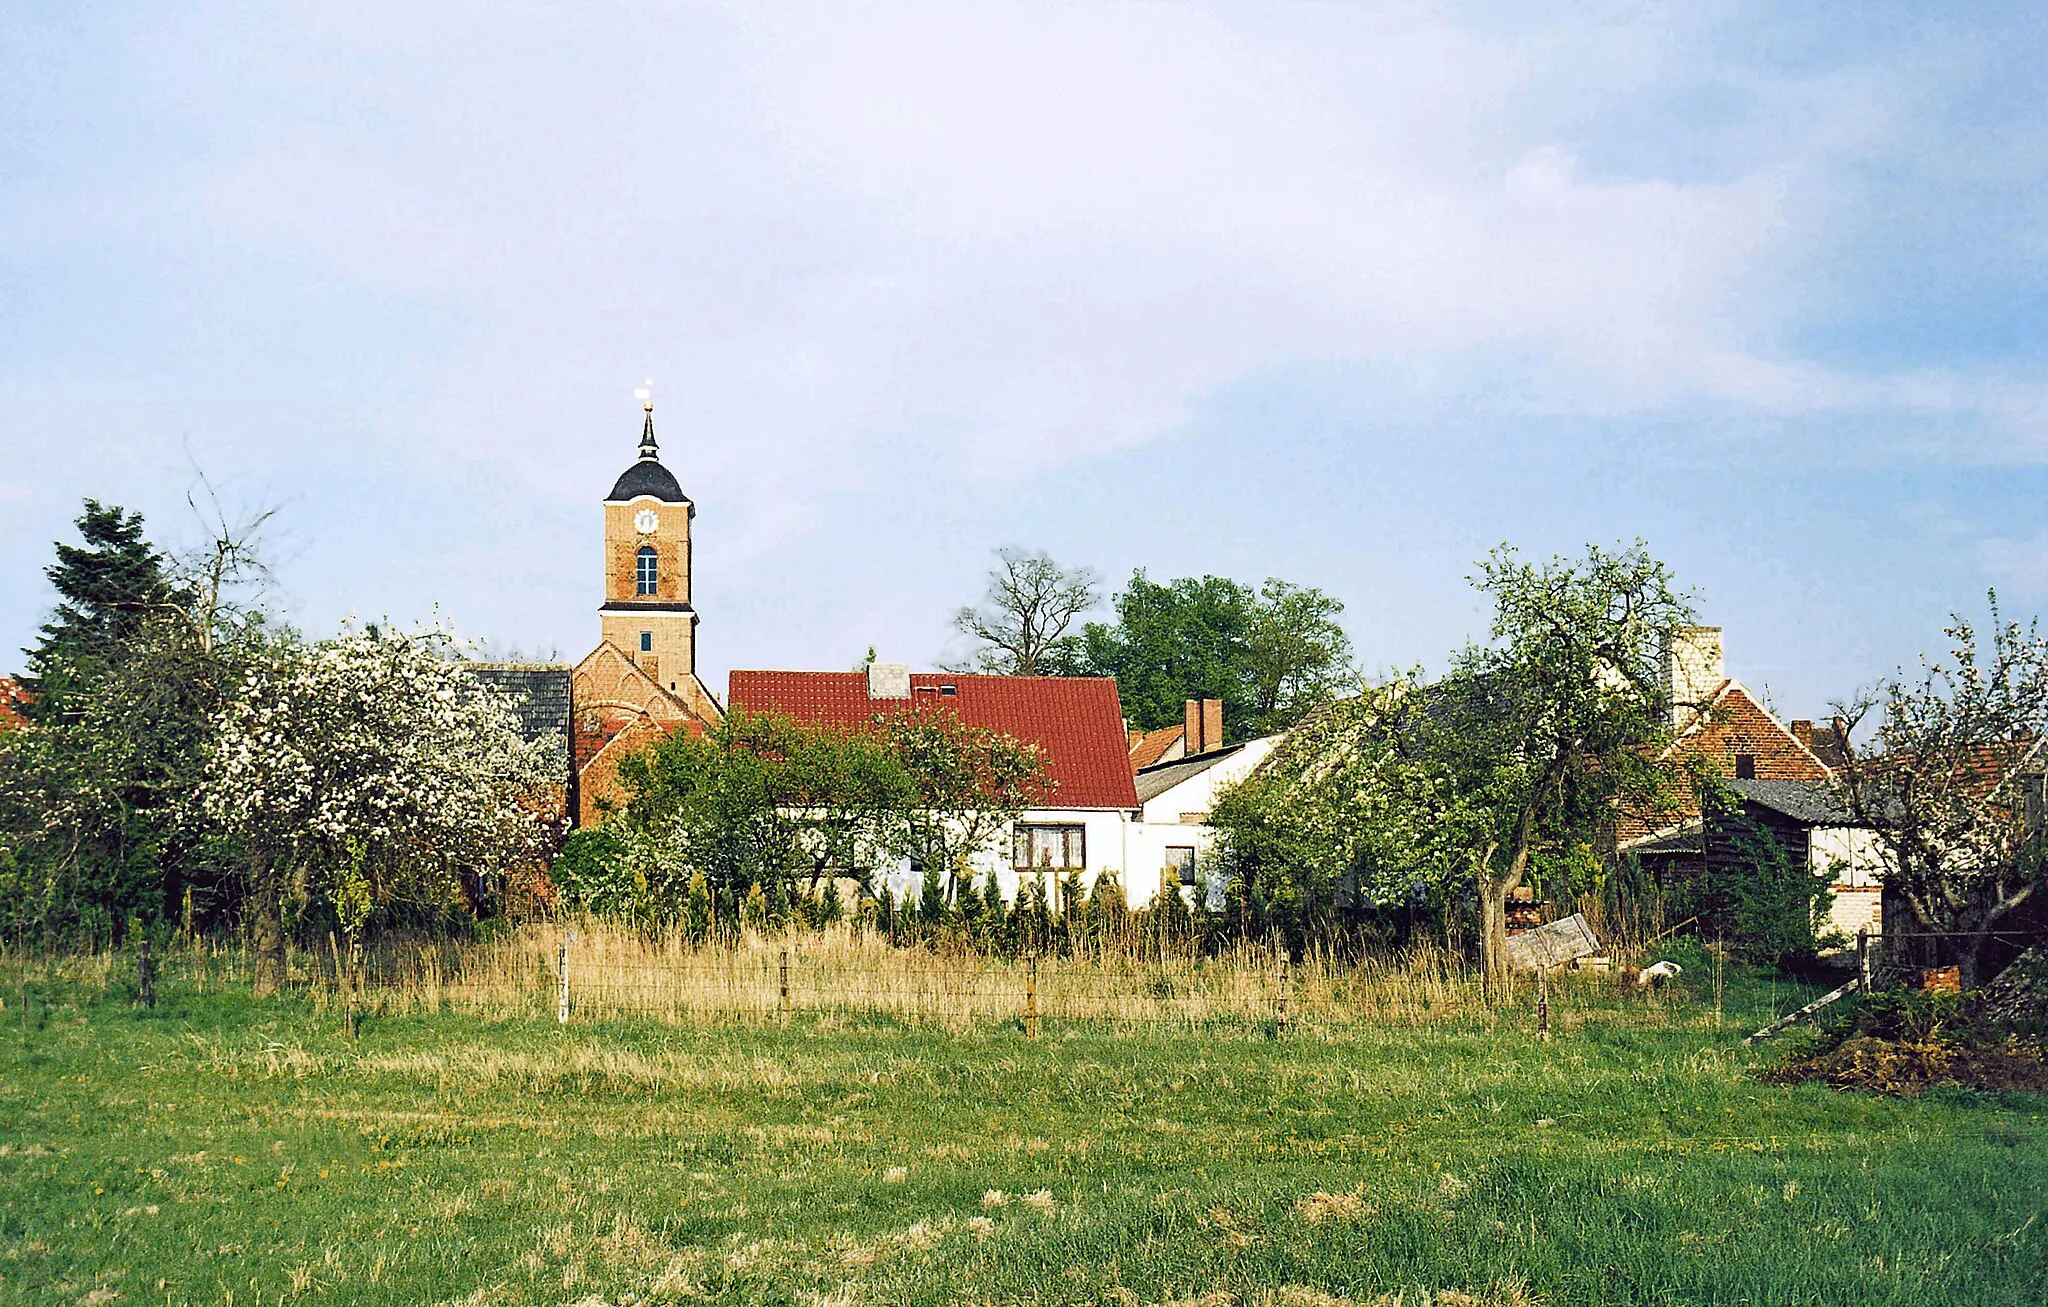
(647,571)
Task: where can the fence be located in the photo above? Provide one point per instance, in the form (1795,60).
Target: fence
(591,971)
(594,972)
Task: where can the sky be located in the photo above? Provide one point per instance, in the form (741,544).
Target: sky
(1343,294)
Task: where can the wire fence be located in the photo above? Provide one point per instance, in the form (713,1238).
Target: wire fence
(590,971)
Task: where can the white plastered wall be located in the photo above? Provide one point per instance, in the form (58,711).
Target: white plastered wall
(1855,858)
(1165,822)
(1106,837)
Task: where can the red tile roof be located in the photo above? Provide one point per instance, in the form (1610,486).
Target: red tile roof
(1077,720)
(1152,745)
(13,698)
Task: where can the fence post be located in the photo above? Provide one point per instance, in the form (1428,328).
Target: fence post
(24,998)
(1031,997)
(1543,1004)
(1720,954)
(1280,1012)
(562,984)
(785,983)
(145,973)
(1863,956)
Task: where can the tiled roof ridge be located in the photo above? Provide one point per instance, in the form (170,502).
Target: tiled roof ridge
(1703,718)
(1077,721)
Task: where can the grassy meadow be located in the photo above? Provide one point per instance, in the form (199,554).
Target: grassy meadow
(1397,1141)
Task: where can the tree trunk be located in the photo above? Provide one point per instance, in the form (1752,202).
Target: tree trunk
(1493,903)
(267,927)
(1493,934)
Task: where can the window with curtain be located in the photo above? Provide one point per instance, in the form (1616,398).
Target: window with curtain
(648,571)
(1063,848)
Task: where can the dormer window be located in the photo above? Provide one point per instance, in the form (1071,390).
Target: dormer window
(646,571)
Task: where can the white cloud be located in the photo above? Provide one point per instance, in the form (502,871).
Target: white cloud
(1020,232)
(854,239)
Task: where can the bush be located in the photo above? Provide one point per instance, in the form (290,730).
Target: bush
(1761,901)
(591,872)
(1905,1042)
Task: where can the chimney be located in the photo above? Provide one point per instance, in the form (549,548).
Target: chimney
(1692,672)
(888,680)
(1202,725)
(1802,731)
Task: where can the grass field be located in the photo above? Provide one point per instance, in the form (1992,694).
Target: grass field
(216,1150)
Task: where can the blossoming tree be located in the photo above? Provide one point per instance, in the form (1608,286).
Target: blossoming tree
(371,768)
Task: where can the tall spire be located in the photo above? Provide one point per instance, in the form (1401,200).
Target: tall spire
(648,449)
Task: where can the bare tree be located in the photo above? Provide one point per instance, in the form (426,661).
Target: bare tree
(1952,784)
(1023,619)
(221,583)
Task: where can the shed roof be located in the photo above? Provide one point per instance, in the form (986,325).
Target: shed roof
(1156,780)
(1809,802)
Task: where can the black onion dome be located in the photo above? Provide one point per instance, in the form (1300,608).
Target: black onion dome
(648,477)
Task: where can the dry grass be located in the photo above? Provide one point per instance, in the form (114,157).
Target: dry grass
(844,972)
(614,971)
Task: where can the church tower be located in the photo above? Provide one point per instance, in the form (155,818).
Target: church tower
(646,612)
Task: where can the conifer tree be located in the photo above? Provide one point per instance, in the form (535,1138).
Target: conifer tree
(931,905)
(107,588)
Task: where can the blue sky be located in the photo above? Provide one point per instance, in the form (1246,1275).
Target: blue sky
(1345,294)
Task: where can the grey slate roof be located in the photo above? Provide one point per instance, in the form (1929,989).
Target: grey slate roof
(1161,777)
(539,693)
(647,477)
(1810,802)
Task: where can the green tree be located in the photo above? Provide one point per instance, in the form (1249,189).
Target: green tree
(1347,801)
(761,799)
(1170,643)
(1271,655)
(108,588)
(1542,732)
(931,899)
(142,653)
(966,786)
(696,920)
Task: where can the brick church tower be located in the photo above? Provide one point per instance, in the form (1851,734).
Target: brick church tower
(647,613)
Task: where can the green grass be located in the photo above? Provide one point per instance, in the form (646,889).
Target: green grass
(216,1149)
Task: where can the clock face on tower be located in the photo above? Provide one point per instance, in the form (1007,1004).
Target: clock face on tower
(646,520)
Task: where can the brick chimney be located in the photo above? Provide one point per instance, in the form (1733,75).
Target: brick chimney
(1202,724)
(888,680)
(1692,672)
(1802,731)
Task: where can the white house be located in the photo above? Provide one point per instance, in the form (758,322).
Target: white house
(1077,721)
(1172,833)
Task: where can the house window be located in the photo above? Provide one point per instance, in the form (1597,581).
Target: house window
(1181,858)
(1062,848)
(647,642)
(1745,766)
(646,570)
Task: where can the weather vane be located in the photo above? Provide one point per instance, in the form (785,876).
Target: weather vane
(645,394)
